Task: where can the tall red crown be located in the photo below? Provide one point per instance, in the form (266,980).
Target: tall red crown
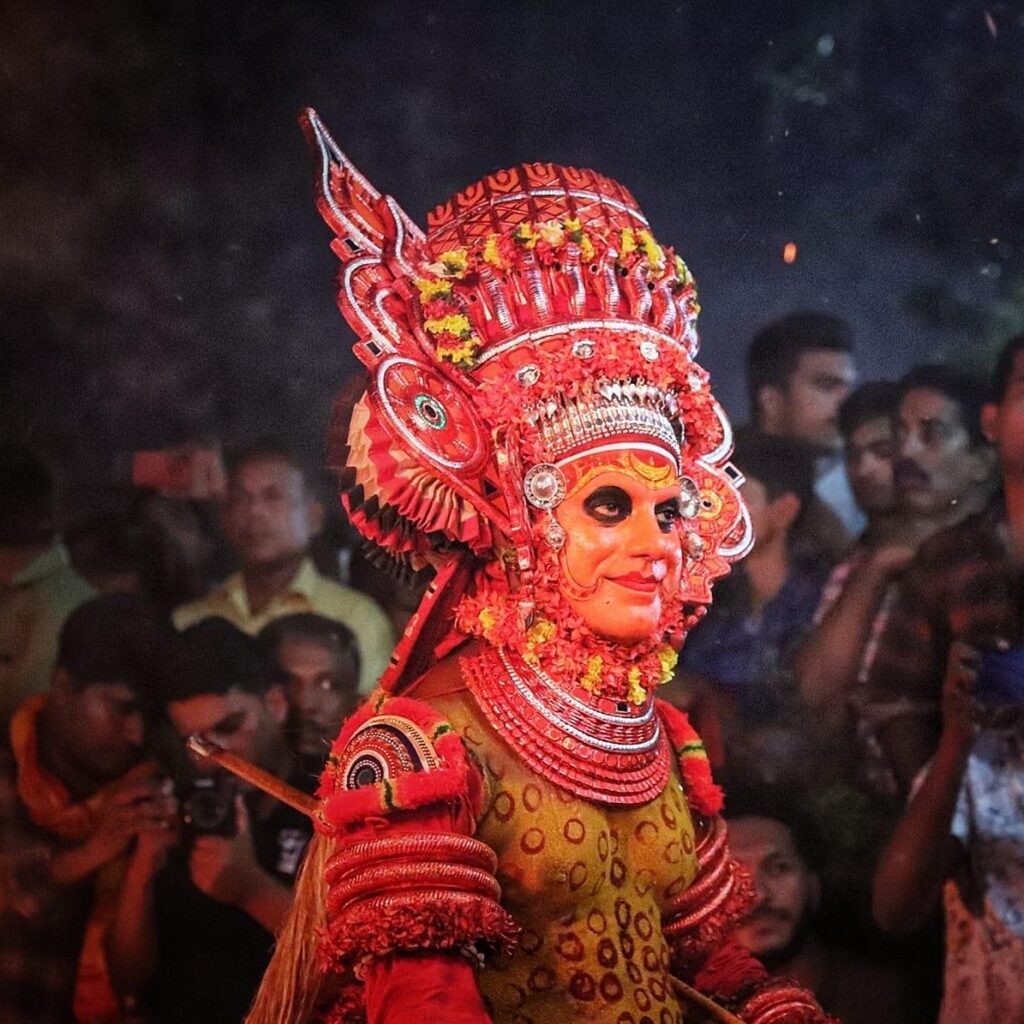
(537,317)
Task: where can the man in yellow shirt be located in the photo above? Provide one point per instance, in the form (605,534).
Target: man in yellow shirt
(270,516)
(38,587)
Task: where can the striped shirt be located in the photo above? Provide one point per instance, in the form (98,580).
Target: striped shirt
(961,585)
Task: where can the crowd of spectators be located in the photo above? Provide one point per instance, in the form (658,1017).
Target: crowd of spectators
(858,680)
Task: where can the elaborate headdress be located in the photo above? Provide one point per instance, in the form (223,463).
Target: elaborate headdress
(537,323)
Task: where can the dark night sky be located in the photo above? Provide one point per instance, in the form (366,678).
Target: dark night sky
(163,272)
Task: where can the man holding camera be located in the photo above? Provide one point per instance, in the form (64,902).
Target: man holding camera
(74,797)
(195,922)
(964,827)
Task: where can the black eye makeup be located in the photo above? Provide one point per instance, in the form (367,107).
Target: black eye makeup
(608,505)
(668,514)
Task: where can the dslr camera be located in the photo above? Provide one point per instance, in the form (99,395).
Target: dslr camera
(208,804)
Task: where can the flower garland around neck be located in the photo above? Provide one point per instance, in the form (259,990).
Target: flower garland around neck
(557,642)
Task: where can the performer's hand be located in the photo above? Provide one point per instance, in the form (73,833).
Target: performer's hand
(225,868)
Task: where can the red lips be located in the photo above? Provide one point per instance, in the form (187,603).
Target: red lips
(636,581)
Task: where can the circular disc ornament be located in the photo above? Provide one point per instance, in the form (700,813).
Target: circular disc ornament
(544,485)
(431,414)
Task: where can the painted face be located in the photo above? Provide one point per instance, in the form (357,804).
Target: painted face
(786,888)
(623,552)
(269,515)
(937,464)
(870,454)
(320,684)
(816,389)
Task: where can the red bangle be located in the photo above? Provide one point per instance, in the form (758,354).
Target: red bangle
(392,879)
(784,1003)
(417,846)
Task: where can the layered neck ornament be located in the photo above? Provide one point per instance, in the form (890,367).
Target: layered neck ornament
(570,702)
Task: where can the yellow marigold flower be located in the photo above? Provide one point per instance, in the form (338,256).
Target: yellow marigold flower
(456,323)
(433,289)
(463,355)
(587,252)
(654,252)
(525,235)
(574,229)
(667,658)
(486,618)
(492,254)
(552,232)
(455,262)
(591,679)
(541,631)
(628,241)
(637,694)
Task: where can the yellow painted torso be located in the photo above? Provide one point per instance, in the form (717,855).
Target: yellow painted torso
(585,881)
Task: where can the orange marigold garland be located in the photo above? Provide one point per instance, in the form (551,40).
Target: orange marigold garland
(557,641)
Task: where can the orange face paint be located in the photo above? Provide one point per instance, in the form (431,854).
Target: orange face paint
(623,552)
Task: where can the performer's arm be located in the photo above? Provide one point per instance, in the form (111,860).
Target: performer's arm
(698,926)
(412,896)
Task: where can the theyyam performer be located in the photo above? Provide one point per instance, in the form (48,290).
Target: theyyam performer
(512,828)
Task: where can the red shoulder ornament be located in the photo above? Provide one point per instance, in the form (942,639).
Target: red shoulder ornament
(394,754)
(400,797)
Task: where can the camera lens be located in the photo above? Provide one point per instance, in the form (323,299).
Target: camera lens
(208,808)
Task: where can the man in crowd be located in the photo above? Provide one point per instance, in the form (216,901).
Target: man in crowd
(74,797)
(963,831)
(315,662)
(838,652)
(195,920)
(270,516)
(738,660)
(960,584)
(777,847)
(799,370)
(38,587)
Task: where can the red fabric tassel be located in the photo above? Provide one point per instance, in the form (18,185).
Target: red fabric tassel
(703,795)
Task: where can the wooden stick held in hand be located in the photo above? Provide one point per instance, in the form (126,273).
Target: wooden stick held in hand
(714,1011)
(247,771)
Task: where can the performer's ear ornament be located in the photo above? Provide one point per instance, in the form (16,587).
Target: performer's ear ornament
(544,485)
(554,534)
